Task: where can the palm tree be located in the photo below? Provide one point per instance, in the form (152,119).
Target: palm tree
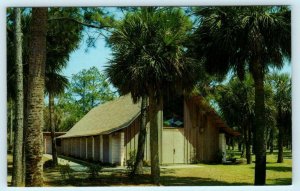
(54,85)
(37,59)
(148,61)
(282,89)
(242,38)
(18,136)
(60,45)
(236,102)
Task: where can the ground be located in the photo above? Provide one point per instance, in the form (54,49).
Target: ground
(181,175)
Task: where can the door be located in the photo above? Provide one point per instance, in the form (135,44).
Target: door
(173,146)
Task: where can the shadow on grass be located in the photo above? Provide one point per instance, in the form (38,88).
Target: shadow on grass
(142,180)
(193,181)
(280,168)
(282,181)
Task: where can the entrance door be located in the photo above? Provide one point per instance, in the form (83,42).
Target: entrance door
(173,146)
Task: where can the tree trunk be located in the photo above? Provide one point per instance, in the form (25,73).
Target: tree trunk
(280,142)
(11,126)
(25,109)
(52,127)
(18,139)
(243,141)
(271,141)
(248,144)
(154,108)
(34,136)
(260,147)
(138,165)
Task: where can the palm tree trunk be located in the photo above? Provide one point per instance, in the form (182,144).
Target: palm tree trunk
(154,108)
(11,126)
(25,109)
(260,147)
(248,144)
(280,140)
(243,141)
(52,126)
(271,140)
(34,136)
(18,139)
(138,165)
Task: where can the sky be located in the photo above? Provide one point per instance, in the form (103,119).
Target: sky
(84,58)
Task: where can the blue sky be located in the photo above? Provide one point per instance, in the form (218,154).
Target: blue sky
(81,59)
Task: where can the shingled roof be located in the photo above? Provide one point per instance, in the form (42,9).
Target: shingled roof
(106,118)
(121,112)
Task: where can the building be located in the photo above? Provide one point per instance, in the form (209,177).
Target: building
(48,143)
(189,130)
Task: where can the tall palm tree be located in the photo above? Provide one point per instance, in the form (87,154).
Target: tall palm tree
(55,84)
(148,61)
(242,38)
(18,136)
(60,45)
(282,89)
(236,102)
(37,59)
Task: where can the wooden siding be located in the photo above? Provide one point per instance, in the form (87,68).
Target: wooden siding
(77,147)
(82,148)
(131,137)
(105,148)
(117,147)
(202,136)
(90,148)
(96,148)
(47,145)
(198,141)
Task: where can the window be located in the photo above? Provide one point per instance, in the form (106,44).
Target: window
(173,111)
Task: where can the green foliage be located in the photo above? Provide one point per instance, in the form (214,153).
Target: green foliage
(94,170)
(230,156)
(86,90)
(130,162)
(148,48)
(66,172)
(229,38)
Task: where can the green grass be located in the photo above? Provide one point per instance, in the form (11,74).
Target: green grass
(241,174)
(203,175)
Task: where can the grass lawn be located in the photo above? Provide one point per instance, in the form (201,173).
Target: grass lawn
(242,174)
(203,175)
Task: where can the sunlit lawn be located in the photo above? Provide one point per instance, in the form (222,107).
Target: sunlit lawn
(242,174)
(205,175)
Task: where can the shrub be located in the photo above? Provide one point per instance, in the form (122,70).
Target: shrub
(230,157)
(48,164)
(66,171)
(146,163)
(94,170)
(130,162)
(194,159)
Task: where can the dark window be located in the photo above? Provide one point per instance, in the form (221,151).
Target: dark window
(173,111)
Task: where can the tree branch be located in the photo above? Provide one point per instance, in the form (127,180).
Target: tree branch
(79,22)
